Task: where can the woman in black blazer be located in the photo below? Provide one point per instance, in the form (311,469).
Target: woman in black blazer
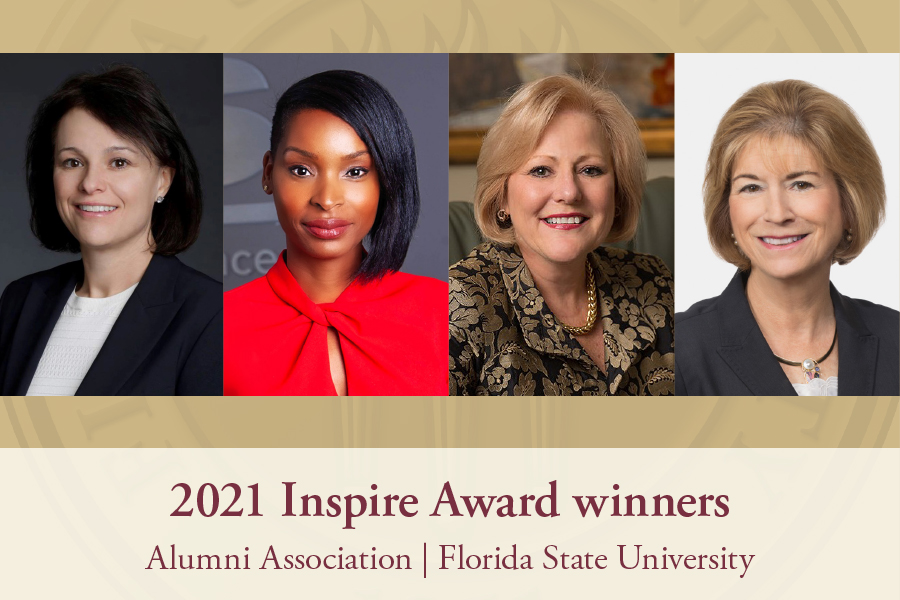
(110,175)
(793,185)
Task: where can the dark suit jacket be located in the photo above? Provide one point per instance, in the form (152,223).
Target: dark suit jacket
(720,350)
(167,340)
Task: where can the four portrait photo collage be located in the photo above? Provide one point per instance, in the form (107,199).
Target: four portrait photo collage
(464,224)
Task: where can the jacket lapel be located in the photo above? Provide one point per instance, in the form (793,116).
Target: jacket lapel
(143,321)
(743,347)
(43,305)
(857,349)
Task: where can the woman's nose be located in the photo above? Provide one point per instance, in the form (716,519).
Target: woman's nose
(327,194)
(778,207)
(566,187)
(92,180)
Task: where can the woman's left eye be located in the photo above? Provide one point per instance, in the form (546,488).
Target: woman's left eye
(356,172)
(119,163)
(591,171)
(802,185)
(540,171)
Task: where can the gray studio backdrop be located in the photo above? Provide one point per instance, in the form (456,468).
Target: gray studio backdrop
(190,84)
(252,85)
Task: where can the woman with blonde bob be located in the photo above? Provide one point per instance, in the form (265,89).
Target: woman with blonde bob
(541,308)
(793,185)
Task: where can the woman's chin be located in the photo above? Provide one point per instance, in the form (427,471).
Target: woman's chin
(787,272)
(327,250)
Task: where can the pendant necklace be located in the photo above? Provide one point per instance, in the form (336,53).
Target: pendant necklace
(810,366)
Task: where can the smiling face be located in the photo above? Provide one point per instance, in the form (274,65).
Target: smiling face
(325,186)
(785,209)
(105,185)
(562,199)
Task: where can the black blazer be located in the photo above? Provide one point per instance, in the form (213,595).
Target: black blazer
(720,350)
(167,340)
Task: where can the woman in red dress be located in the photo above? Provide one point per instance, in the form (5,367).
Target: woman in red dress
(331,318)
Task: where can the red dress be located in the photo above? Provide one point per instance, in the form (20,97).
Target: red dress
(393,336)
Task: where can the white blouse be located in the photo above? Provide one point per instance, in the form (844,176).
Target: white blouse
(818,387)
(75,342)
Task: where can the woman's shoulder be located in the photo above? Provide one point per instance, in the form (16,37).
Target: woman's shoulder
(415,284)
(194,283)
(43,278)
(50,281)
(877,317)
(252,292)
(646,266)
(483,256)
(699,311)
(168,279)
(480,270)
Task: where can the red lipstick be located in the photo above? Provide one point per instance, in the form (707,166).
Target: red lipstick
(327,229)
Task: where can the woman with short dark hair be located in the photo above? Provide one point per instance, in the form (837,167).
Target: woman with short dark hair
(331,318)
(111,176)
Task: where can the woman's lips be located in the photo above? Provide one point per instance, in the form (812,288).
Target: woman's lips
(94,210)
(782,242)
(327,229)
(565,222)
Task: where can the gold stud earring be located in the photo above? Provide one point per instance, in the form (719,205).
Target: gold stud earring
(850,235)
(266,189)
(502,216)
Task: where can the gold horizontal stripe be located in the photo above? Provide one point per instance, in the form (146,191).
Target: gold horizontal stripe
(426,422)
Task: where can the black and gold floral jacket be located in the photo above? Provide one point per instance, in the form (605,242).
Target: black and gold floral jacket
(504,340)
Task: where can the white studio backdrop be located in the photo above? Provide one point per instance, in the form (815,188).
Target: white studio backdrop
(708,84)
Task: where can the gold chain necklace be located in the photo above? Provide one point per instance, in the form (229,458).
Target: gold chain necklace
(592,306)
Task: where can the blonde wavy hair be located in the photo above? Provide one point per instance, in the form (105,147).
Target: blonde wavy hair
(516,134)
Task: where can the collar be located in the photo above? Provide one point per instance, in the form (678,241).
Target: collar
(745,350)
(289,291)
(621,343)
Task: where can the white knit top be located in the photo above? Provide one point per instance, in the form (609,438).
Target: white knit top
(75,342)
(818,387)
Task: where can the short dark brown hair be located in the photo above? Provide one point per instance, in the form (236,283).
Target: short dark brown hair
(125,99)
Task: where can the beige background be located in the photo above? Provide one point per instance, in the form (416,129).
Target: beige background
(452,26)
(821,522)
